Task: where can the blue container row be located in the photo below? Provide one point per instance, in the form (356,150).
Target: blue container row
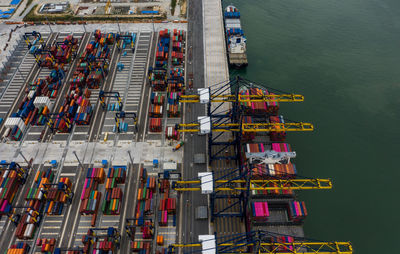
(235,14)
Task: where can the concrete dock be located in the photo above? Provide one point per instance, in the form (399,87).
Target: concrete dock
(215,62)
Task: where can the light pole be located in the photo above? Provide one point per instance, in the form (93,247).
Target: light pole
(119,29)
(48,23)
(130,157)
(83,23)
(27,162)
(78,159)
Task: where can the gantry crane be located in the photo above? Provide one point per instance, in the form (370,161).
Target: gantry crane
(258,184)
(37,38)
(262,242)
(205,126)
(126,39)
(21,172)
(111,233)
(132,223)
(122,115)
(234,119)
(38,57)
(60,186)
(237,185)
(68,43)
(52,116)
(15,217)
(205,95)
(111,94)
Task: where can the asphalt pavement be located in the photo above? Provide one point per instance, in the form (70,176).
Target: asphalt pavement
(190,228)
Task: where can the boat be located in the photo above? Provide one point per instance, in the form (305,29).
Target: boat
(235,39)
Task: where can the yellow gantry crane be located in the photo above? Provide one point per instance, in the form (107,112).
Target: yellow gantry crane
(245,127)
(283,248)
(205,124)
(267,184)
(194,98)
(263,242)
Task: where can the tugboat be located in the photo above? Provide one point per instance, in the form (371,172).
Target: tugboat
(235,39)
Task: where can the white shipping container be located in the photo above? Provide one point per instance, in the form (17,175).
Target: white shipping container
(40,196)
(31,94)
(29,231)
(15,121)
(232,26)
(232,21)
(42,101)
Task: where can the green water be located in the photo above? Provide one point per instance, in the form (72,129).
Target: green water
(344,57)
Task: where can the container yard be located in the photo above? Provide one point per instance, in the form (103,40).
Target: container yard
(105,149)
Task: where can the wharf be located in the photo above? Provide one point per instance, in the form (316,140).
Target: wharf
(215,59)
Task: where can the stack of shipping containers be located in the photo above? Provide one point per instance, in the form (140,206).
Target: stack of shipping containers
(36,106)
(91,71)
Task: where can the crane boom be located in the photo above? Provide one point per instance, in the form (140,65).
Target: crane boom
(249,127)
(267,184)
(291,248)
(245,98)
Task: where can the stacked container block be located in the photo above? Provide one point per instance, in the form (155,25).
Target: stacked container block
(177,55)
(157,98)
(282,239)
(297,211)
(155,124)
(171,133)
(113,195)
(58,196)
(270,107)
(91,71)
(167,205)
(28,223)
(277,136)
(46,245)
(91,197)
(9,185)
(19,248)
(271,171)
(144,211)
(260,211)
(104,244)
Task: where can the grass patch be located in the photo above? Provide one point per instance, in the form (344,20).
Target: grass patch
(26,7)
(173,5)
